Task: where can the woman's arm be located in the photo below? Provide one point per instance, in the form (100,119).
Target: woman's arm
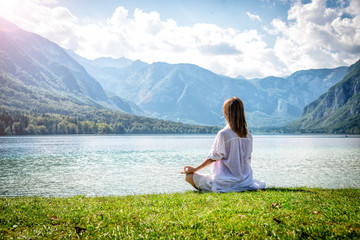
(205,163)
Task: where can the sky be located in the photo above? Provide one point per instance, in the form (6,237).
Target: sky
(248,38)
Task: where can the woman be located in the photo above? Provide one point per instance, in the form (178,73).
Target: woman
(230,156)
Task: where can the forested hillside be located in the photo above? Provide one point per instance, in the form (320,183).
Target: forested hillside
(44,91)
(336,111)
(93,121)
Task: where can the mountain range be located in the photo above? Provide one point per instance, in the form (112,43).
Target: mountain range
(336,111)
(188,93)
(36,73)
(37,65)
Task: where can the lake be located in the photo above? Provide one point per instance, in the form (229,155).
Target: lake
(101,165)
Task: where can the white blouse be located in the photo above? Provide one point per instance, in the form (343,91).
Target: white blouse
(232,170)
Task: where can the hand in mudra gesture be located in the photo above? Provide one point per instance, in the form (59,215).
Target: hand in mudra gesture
(188,169)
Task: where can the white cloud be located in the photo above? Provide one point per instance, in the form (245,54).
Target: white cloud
(253,17)
(46,2)
(314,36)
(318,37)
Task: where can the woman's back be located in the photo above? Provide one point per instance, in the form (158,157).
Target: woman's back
(232,171)
(230,155)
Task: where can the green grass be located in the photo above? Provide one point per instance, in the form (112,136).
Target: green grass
(271,214)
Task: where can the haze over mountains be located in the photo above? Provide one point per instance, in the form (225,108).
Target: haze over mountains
(188,93)
(36,62)
(32,67)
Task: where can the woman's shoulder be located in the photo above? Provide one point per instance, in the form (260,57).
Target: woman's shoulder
(226,131)
(249,135)
(226,128)
(227,134)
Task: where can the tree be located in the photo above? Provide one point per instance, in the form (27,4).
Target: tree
(72,128)
(42,130)
(31,129)
(87,127)
(62,127)
(17,128)
(2,127)
(118,128)
(104,128)
(8,130)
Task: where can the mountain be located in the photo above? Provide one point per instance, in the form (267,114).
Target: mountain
(188,93)
(99,65)
(179,92)
(32,64)
(45,91)
(336,111)
(288,96)
(39,76)
(301,87)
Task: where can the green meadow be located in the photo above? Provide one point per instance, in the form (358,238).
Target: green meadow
(275,213)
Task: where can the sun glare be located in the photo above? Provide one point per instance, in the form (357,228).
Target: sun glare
(8,5)
(8,9)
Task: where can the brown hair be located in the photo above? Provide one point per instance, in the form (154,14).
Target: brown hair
(234,113)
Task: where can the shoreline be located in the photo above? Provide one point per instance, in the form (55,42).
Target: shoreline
(276,189)
(254,133)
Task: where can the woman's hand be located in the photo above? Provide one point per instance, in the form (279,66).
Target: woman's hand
(205,163)
(188,169)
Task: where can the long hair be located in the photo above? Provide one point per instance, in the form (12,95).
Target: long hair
(234,113)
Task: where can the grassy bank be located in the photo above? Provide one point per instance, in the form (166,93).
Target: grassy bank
(273,213)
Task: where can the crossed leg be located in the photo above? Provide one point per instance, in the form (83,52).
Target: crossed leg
(189,177)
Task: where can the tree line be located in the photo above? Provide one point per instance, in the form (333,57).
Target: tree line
(14,122)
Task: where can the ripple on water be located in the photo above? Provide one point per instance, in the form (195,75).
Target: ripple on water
(123,165)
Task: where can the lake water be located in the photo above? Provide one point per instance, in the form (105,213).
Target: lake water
(94,165)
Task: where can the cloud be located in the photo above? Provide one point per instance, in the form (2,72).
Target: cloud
(253,17)
(313,36)
(46,2)
(219,49)
(316,36)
